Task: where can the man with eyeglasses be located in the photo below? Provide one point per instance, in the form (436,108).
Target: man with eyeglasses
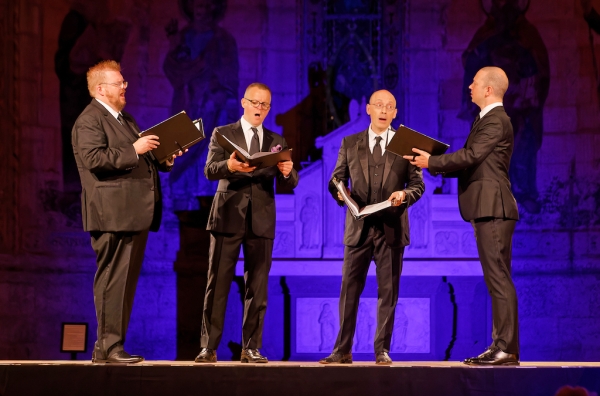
(242,215)
(121,203)
(375,175)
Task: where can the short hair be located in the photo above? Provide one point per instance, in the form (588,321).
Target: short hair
(496,78)
(259,86)
(95,74)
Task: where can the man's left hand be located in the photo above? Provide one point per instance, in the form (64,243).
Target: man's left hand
(285,167)
(397,198)
(171,161)
(421,160)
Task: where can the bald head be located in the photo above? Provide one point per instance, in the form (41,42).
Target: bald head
(497,79)
(383,95)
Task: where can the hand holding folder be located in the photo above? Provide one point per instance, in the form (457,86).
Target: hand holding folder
(355,210)
(175,134)
(259,160)
(406,139)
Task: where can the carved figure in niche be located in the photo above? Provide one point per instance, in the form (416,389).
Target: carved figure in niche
(400,329)
(88,34)
(446,242)
(508,40)
(202,66)
(419,220)
(327,324)
(364,324)
(309,216)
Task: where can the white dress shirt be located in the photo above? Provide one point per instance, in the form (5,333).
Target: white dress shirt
(249,134)
(385,139)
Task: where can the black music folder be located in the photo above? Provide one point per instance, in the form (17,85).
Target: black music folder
(405,139)
(263,159)
(177,133)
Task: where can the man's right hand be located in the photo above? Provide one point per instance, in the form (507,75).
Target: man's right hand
(236,166)
(339,194)
(145,144)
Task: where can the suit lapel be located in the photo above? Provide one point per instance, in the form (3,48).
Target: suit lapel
(362,149)
(238,136)
(267,140)
(389,160)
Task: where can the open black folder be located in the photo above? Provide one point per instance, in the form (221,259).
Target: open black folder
(405,139)
(175,134)
(357,212)
(261,159)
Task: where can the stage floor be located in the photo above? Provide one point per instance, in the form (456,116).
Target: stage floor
(35,377)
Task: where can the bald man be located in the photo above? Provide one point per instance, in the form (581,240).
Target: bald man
(376,175)
(485,200)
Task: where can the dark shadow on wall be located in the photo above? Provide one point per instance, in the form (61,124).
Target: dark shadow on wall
(509,41)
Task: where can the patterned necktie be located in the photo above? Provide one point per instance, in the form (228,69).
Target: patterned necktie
(254,146)
(377,149)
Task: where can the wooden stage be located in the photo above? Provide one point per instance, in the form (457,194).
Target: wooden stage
(24,378)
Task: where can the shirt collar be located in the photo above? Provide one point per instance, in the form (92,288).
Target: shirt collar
(384,135)
(489,107)
(246,126)
(110,109)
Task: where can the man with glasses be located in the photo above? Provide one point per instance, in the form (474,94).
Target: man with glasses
(242,214)
(121,202)
(376,175)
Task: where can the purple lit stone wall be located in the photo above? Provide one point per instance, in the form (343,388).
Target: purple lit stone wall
(422,50)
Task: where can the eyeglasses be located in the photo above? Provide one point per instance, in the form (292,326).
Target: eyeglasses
(122,84)
(380,106)
(257,104)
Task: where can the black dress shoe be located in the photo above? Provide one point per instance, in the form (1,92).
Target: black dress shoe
(337,357)
(496,357)
(120,357)
(489,349)
(253,356)
(206,355)
(383,358)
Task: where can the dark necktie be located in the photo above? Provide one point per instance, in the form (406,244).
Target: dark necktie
(126,125)
(377,149)
(254,146)
(475,122)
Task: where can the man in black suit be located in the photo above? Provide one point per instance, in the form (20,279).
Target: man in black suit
(485,199)
(377,175)
(120,203)
(242,214)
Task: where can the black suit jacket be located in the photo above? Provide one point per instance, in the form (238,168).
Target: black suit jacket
(119,193)
(398,174)
(229,207)
(482,169)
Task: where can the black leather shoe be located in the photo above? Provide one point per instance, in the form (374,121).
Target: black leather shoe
(206,355)
(489,349)
(120,357)
(253,356)
(383,358)
(496,357)
(337,358)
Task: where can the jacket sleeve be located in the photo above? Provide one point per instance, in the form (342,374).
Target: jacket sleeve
(415,187)
(97,156)
(340,172)
(484,141)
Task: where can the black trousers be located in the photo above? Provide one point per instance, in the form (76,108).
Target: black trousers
(223,256)
(494,245)
(388,263)
(119,257)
